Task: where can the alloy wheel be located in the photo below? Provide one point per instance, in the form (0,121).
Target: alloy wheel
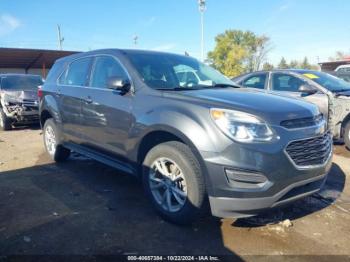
(168,184)
(50,140)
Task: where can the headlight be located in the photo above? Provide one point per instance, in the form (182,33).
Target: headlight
(242,127)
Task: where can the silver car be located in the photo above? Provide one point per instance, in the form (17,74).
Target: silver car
(329,93)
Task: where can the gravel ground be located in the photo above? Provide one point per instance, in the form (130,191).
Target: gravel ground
(82,207)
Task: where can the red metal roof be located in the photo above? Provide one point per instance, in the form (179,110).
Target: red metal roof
(30,58)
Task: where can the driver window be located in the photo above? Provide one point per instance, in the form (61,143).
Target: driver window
(104,68)
(285,82)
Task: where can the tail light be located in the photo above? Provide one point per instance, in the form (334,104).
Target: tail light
(40,93)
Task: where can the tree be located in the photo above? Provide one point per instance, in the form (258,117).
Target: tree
(267,66)
(339,55)
(305,64)
(283,64)
(237,52)
(293,64)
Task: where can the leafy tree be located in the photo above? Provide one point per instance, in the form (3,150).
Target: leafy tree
(283,64)
(267,66)
(237,52)
(339,55)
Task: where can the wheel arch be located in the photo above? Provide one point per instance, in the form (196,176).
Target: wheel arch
(162,134)
(344,123)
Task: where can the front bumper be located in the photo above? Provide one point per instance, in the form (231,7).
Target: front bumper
(21,114)
(277,180)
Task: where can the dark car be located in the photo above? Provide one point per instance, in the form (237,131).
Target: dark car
(187,140)
(329,93)
(18,99)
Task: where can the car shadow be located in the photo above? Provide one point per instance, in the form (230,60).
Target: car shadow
(329,193)
(83,207)
(23,127)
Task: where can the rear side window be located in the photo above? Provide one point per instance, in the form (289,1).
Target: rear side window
(106,67)
(256,81)
(77,73)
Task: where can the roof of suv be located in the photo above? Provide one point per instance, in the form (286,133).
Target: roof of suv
(116,50)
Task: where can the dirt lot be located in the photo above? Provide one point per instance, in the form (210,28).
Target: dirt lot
(85,208)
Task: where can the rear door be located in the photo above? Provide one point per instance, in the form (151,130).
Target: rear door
(71,88)
(289,84)
(106,115)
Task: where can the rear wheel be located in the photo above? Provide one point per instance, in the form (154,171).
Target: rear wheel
(174,183)
(5,122)
(347,135)
(52,144)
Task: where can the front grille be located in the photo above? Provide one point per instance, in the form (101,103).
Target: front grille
(30,103)
(302,122)
(310,152)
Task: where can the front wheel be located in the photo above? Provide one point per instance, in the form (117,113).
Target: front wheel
(174,183)
(347,135)
(53,147)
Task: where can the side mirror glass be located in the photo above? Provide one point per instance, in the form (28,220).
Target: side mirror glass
(118,83)
(307,89)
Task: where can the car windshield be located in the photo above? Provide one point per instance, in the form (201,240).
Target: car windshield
(25,83)
(175,72)
(332,83)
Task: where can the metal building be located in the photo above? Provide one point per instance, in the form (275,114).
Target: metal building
(29,61)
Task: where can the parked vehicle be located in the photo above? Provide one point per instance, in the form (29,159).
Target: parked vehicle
(18,99)
(343,72)
(246,151)
(329,93)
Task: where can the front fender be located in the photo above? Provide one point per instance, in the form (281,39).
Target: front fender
(185,125)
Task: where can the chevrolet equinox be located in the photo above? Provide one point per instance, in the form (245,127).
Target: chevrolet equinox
(186,130)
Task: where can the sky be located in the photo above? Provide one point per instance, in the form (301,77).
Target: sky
(297,28)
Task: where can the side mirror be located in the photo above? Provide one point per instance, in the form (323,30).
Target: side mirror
(118,83)
(307,89)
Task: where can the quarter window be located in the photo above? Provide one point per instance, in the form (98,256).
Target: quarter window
(256,81)
(285,82)
(106,67)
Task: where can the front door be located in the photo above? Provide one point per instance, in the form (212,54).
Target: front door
(106,113)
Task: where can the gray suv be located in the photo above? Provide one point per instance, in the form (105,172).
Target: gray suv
(190,140)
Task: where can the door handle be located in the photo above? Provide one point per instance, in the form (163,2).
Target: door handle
(88,100)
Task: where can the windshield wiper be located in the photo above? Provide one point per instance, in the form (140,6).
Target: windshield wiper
(222,85)
(176,89)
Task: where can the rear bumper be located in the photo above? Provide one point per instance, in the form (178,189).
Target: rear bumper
(246,207)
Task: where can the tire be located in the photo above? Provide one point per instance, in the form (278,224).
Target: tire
(5,122)
(57,152)
(347,135)
(176,158)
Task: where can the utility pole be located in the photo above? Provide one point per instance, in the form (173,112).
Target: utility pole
(202,9)
(135,38)
(60,38)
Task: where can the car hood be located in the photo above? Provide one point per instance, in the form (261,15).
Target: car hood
(273,108)
(19,95)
